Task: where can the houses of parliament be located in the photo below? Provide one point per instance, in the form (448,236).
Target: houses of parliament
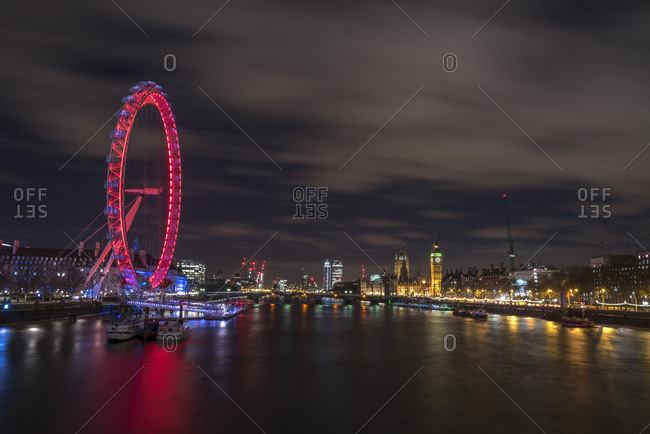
(405,285)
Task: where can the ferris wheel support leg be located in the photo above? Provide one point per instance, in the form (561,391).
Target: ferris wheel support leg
(98,262)
(129,220)
(107,269)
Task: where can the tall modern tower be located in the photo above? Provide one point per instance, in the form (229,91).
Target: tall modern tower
(337,271)
(436,269)
(327,276)
(401,258)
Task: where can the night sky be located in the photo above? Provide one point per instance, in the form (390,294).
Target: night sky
(310,83)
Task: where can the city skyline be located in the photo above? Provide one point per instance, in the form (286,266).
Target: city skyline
(355,270)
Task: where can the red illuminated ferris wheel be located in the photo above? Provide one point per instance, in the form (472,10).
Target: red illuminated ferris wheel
(143,197)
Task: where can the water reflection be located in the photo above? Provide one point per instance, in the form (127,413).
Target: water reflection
(299,359)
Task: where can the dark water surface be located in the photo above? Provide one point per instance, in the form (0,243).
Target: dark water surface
(312,369)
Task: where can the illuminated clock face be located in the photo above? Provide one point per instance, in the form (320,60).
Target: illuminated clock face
(438,259)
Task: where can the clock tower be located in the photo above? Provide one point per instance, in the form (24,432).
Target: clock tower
(436,269)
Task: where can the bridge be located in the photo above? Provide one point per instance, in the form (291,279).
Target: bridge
(212,309)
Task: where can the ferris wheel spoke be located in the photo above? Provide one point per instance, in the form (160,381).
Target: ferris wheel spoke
(150,191)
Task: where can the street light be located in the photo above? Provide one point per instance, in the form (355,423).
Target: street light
(571,292)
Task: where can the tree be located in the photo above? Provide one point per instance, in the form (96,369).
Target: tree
(551,282)
(580,278)
(25,279)
(70,279)
(5,278)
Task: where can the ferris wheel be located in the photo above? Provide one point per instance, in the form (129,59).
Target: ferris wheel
(143,190)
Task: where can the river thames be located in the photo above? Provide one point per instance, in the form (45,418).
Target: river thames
(315,369)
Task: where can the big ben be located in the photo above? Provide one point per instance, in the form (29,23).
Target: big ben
(436,269)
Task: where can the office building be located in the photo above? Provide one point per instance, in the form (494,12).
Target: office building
(327,276)
(337,272)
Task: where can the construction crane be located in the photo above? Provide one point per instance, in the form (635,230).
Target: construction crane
(511,243)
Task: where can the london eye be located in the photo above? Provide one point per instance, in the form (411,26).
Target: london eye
(143,188)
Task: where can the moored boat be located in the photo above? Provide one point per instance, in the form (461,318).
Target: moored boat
(123,329)
(224,314)
(247,303)
(478,313)
(272,299)
(441,307)
(302,300)
(152,330)
(333,301)
(572,321)
(424,306)
(176,327)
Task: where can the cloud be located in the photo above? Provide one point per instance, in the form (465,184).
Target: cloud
(311,84)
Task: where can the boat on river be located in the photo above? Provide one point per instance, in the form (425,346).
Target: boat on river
(152,330)
(424,306)
(477,313)
(176,327)
(272,299)
(246,303)
(333,301)
(572,321)
(123,329)
(440,307)
(225,313)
